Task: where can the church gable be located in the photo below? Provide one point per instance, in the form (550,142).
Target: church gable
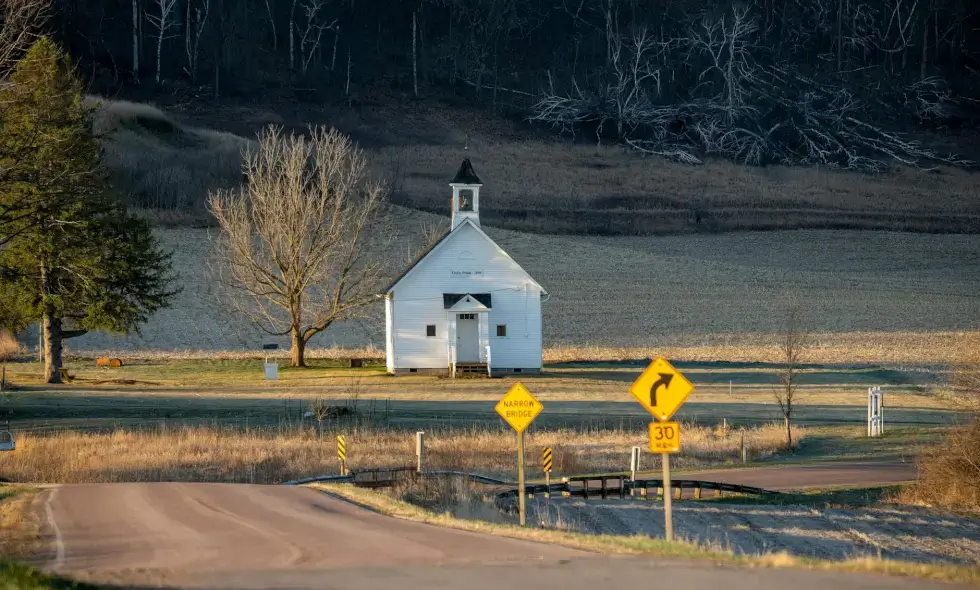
(467,257)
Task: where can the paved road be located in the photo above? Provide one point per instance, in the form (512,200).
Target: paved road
(813,475)
(219,536)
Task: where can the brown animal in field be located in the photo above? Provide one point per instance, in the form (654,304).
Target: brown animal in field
(106,362)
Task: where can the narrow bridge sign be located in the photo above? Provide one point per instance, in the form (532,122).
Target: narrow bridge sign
(519,408)
(661,389)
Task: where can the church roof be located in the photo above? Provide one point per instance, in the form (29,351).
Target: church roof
(425,254)
(417,260)
(466,174)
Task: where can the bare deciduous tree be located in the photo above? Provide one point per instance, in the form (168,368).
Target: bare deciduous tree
(312,32)
(20,24)
(792,345)
(163,22)
(195,22)
(303,243)
(319,410)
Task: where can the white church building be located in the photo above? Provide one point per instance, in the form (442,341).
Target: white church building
(464,305)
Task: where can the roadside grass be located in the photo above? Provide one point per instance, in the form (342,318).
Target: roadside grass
(647,546)
(15,576)
(274,455)
(852,443)
(901,347)
(20,526)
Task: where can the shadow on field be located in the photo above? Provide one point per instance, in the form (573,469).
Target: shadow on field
(53,411)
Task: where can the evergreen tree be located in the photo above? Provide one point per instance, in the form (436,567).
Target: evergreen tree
(78,261)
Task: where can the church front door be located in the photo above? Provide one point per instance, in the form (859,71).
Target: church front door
(467,338)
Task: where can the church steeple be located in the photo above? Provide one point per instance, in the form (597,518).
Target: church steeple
(466,195)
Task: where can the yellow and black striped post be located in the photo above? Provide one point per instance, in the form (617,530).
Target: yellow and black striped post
(546,462)
(342,453)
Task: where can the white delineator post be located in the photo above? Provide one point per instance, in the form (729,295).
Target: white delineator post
(634,465)
(420,450)
(875,411)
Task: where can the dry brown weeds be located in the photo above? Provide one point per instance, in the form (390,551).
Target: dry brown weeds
(272,456)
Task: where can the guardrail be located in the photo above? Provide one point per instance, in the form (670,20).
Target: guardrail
(604,485)
(619,485)
(387,477)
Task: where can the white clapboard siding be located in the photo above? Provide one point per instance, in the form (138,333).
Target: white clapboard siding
(467,261)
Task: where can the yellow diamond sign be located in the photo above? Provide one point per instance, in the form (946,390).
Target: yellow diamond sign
(661,389)
(518,407)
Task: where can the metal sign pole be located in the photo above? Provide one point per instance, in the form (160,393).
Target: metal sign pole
(520,477)
(668,516)
(870,395)
(881,411)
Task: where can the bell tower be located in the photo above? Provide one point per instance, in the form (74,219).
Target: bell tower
(466,195)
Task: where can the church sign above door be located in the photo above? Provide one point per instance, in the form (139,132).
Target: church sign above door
(466,273)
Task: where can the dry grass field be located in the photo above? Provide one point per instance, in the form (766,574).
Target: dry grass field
(868,297)
(275,455)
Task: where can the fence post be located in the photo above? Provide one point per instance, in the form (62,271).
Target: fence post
(420,450)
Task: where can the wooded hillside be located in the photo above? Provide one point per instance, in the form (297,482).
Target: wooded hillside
(759,81)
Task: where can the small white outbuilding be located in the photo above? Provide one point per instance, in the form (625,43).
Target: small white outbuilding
(464,305)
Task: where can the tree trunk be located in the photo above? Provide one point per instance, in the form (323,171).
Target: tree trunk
(840,34)
(272,24)
(52,347)
(789,432)
(923,66)
(160,46)
(136,45)
(415,55)
(299,348)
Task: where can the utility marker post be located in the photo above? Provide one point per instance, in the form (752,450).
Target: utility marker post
(420,450)
(519,408)
(875,411)
(662,389)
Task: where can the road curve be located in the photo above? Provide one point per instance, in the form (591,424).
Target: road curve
(813,475)
(218,536)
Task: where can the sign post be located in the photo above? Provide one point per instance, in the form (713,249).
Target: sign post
(519,408)
(420,450)
(662,389)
